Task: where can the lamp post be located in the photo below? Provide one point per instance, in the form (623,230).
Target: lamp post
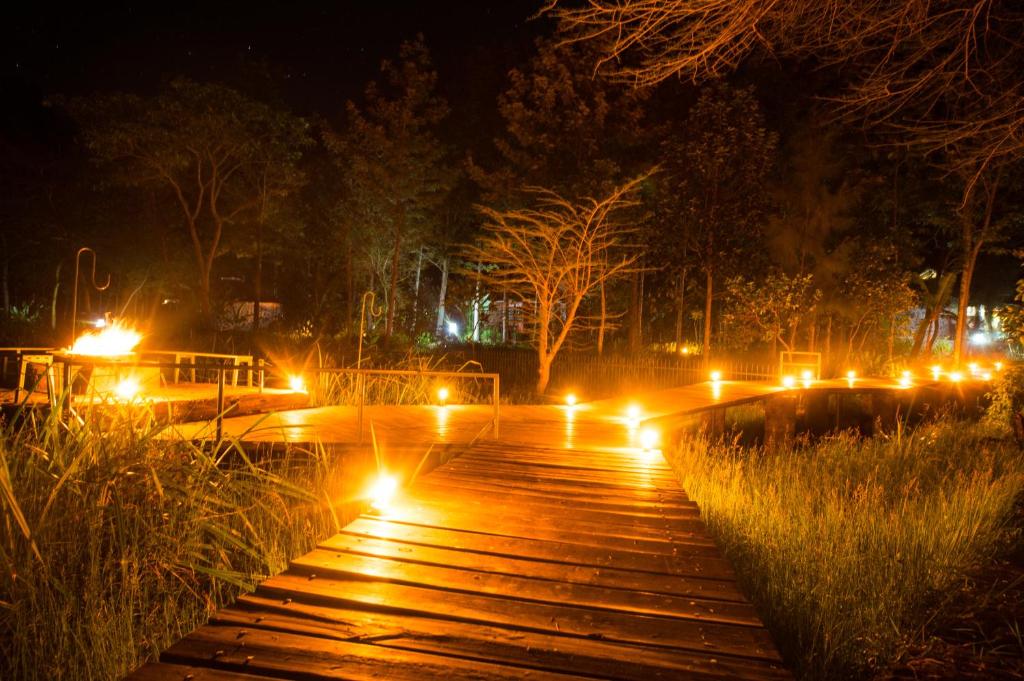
(360,379)
(74,288)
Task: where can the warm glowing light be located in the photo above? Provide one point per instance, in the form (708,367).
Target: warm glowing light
(806,376)
(382,491)
(936,372)
(442,394)
(973,368)
(956,376)
(127,389)
(716,376)
(115,339)
(648,438)
(986,376)
(685,350)
(296,383)
(999,366)
(850,375)
(788,381)
(633,416)
(716,390)
(570,400)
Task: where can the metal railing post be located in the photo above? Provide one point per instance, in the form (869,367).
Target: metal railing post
(496,398)
(220,402)
(262,373)
(66,388)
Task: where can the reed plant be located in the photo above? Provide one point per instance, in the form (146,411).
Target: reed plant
(116,542)
(342,388)
(850,547)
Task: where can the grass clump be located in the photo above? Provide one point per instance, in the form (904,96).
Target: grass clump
(115,543)
(849,547)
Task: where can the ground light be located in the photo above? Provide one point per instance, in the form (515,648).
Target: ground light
(806,376)
(716,376)
(570,400)
(851,376)
(648,439)
(127,389)
(956,376)
(633,415)
(905,379)
(788,381)
(296,383)
(383,491)
(936,372)
(442,395)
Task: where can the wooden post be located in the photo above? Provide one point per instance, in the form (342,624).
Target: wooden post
(496,398)
(779,420)
(220,403)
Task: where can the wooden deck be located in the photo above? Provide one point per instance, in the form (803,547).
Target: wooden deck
(560,551)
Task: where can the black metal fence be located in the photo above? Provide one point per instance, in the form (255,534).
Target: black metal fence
(593,376)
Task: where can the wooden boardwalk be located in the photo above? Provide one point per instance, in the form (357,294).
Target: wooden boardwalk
(515,560)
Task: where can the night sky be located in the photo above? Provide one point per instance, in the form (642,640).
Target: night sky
(307,57)
(319,54)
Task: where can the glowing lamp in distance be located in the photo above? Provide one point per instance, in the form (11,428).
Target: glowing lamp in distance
(648,439)
(442,394)
(296,383)
(788,381)
(570,400)
(716,376)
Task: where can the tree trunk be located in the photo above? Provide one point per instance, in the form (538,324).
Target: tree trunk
(504,315)
(680,307)
(416,290)
(604,321)
(257,281)
(961,308)
(544,358)
(439,330)
(828,340)
(53,299)
(945,288)
(543,372)
(396,254)
(476,306)
(634,313)
(709,284)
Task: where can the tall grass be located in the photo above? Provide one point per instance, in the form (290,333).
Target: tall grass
(342,389)
(849,546)
(115,543)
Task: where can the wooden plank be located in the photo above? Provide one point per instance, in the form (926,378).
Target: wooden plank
(338,565)
(582,656)
(722,588)
(498,510)
(309,657)
(569,490)
(527,498)
(162,671)
(611,481)
(686,560)
(571,465)
(587,534)
(724,639)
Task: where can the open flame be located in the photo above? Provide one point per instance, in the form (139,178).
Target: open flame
(116,339)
